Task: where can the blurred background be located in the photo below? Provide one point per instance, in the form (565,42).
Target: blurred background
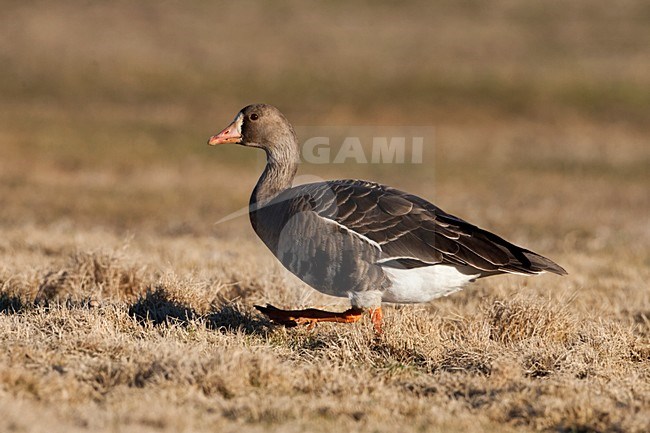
(541,110)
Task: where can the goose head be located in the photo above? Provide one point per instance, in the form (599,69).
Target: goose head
(258,125)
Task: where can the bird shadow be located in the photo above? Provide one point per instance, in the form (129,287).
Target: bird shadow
(232,318)
(11,304)
(158,309)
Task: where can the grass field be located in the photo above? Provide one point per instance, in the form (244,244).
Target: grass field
(125,307)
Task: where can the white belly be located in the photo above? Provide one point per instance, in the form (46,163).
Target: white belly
(423,284)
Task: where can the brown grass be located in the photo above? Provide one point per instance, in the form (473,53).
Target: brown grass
(171,346)
(124,307)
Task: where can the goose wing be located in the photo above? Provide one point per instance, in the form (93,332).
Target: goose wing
(411,232)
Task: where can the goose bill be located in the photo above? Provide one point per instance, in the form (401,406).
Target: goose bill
(231,134)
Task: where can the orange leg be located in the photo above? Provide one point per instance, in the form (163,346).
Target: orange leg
(377,316)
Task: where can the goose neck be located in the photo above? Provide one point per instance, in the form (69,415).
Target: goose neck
(278,175)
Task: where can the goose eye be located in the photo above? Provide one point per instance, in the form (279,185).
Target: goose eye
(254,116)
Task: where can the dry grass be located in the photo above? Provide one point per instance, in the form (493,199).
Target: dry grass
(123,307)
(123,337)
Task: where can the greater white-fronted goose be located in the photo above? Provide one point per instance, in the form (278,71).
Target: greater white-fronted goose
(361,240)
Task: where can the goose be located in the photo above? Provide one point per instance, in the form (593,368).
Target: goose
(361,240)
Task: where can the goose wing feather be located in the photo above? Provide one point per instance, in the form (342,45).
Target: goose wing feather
(414,231)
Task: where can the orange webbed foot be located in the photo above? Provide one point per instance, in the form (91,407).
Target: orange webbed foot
(311,316)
